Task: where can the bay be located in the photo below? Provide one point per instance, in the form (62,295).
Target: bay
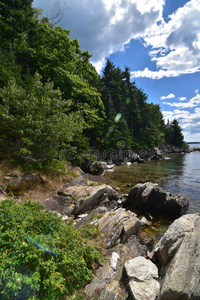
(177,173)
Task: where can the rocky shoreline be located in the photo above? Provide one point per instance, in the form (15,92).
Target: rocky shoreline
(108,160)
(132,270)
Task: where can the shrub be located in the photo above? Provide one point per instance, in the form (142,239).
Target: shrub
(42,257)
(36,122)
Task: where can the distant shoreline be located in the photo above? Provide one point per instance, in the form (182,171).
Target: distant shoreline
(192,143)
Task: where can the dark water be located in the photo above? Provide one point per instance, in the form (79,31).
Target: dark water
(178,173)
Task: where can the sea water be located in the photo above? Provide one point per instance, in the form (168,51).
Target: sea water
(177,173)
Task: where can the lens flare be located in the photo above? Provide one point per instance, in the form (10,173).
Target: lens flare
(118,117)
(40,247)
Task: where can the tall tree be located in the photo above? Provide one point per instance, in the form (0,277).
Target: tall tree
(15,18)
(177,138)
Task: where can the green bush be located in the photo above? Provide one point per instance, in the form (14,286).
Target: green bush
(41,256)
(35,122)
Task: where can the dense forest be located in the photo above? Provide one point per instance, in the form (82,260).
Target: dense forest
(53,102)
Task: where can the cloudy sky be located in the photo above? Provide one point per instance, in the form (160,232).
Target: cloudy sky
(158,39)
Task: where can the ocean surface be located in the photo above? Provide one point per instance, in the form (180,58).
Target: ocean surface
(177,173)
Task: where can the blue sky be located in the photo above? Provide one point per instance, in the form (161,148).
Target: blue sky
(158,39)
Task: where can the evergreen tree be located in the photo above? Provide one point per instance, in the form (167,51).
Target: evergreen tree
(177,138)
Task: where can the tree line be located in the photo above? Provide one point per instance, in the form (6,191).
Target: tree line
(53,101)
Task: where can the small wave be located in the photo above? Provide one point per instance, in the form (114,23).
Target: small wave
(166,157)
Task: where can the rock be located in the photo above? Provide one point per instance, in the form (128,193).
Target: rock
(76,182)
(110,166)
(120,225)
(178,252)
(61,204)
(94,168)
(3,195)
(148,197)
(101,210)
(143,221)
(143,278)
(20,183)
(87,198)
(107,284)
(114,260)
(104,286)
(65,218)
(130,227)
(145,238)
(114,236)
(82,216)
(51,205)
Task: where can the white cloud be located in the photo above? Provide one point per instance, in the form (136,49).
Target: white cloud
(195,101)
(182,98)
(176,44)
(105,26)
(170,96)
(189,121)
(196,91)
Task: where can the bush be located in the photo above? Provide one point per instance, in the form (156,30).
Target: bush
(42,257)
(35,122)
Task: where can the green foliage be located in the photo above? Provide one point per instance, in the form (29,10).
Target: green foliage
(140,123)
(54,105)
(173,134)
(35,121)
(41,257)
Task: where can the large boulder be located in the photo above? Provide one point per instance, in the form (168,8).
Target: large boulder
(18,183)
(118,225)
(178,253)
(80,196)
(149,197)
(94,168)
(143,278)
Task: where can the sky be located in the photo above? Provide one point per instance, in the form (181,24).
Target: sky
(159,40)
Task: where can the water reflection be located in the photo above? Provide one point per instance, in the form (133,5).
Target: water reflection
(126,177)
(178,174)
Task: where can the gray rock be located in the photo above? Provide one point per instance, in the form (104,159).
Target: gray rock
(143,278)
(143,221)
(101,210)
(20,183)
(51,205)
(148,197)
(95,168)
(119,224)
(178,252)
(113,261)
(107,284)
(130,227)
(89,197)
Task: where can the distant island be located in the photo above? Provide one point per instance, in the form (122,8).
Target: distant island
(192,142)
